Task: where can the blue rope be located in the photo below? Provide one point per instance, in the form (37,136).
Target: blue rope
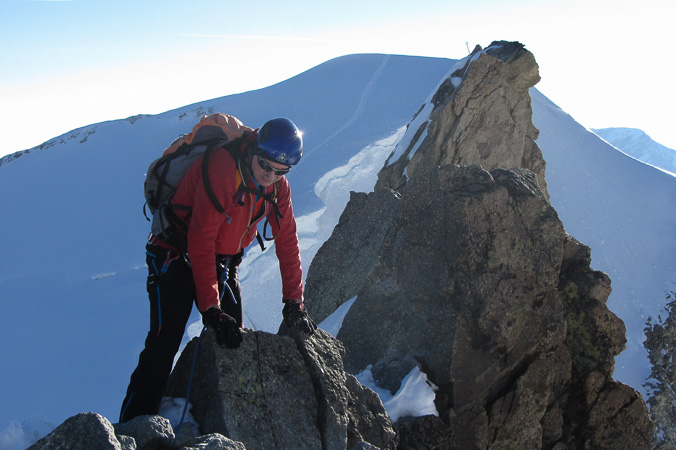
(165,267)
(194,358)
(224,276)
(192,372)
(224,280)
(124,409)
(157,288)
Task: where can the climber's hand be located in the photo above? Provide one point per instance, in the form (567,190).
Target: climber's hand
(295,316)
(226,327)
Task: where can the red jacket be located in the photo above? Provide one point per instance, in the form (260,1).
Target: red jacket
(211,233)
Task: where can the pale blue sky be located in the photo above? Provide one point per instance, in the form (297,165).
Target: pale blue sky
(77,62)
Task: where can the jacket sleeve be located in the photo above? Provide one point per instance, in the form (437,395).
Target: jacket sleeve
(286,245)
(205,223)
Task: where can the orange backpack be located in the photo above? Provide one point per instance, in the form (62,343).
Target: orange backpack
(166,172)
(229,126)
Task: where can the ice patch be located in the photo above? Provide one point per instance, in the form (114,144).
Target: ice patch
(334,322)
(414,398)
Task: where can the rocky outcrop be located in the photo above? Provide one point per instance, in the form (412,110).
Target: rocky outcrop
(480,115)
(285,391)
(91,431)
(88,431)
(279,392)
(459,263)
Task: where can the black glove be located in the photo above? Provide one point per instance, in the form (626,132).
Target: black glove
(295,316)
(225,326)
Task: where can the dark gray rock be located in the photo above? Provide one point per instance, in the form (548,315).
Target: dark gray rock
(617,419)
(474,259)
(278,392)
(149,432)
(367,419)
(185,432)
(212,442)
(127,442)
(423,433)
(324,359)
(365,446)
(86,431)
(260,394)
(595,335)
(389,371)
(471,289)
(340,275)
(349,413)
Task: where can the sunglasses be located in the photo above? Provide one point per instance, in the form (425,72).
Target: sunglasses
(268,168)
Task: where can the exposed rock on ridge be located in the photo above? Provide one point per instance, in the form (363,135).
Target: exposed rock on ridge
(279,392)
(460,264)
(482,115)
(273,392)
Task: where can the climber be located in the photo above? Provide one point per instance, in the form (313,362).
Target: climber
(197,259)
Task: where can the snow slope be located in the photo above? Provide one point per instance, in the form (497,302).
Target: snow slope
(73,307)
(73,311)
(625,211)
(636,143)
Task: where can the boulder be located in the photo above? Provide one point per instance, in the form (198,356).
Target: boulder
(85,431)
(260,394)
(212,442)
(280,391)
(149,432)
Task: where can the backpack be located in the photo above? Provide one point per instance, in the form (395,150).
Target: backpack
(165,173)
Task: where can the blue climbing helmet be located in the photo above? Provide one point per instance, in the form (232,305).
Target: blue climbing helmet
(280,140)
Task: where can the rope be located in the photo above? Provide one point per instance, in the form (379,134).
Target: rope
(192,373)
(197,345)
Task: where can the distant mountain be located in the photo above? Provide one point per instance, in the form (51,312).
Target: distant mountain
(636,143)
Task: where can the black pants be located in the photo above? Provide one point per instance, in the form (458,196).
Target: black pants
(171,291)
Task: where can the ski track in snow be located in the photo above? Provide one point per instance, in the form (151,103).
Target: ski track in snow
(362,102)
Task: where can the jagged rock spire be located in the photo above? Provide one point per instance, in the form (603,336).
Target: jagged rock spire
(459,262)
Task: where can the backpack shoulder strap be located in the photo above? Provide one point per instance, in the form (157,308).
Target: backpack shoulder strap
(235,153)
(205,177)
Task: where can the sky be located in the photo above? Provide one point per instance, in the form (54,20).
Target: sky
(71,63)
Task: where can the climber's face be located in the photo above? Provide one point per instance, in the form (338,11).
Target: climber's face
(267,172)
